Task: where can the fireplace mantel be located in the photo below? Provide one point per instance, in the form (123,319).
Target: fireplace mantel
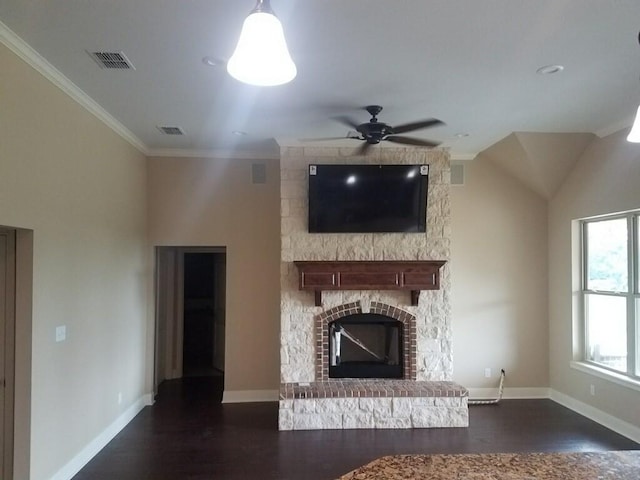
(416,275)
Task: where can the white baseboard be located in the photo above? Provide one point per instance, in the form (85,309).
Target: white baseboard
(508,393)
(245,396)
(619,426)
(74,465)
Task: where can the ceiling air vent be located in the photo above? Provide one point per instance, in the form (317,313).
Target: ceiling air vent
(167,130)
(112,60)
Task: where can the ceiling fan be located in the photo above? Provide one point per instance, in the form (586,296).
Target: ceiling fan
(374,131)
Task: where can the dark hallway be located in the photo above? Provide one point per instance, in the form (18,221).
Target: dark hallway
(199,314)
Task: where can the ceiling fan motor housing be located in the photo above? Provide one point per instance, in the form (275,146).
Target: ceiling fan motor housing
(373,132)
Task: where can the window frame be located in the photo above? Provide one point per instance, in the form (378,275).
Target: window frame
(632,295)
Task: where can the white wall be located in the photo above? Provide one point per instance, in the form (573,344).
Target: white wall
(499,274)
(606,179)
(81,189)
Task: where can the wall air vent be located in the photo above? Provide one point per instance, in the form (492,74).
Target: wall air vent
(457,174)
(112,60)
(169,130)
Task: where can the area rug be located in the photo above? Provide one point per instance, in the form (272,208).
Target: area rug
(504,466)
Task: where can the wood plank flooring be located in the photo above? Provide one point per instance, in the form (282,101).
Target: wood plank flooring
(189,435)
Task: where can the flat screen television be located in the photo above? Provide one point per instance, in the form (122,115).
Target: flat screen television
(368,198)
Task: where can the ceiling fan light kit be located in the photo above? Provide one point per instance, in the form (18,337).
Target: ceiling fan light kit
(261,56)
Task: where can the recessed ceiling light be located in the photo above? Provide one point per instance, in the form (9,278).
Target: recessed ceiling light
(550,69)
(461,135)
(239,133)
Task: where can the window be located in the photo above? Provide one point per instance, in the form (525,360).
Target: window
(611,303)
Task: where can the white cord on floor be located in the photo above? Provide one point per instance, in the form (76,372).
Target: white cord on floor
(494,401)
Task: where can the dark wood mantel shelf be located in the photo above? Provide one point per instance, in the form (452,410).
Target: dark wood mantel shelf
(370,275)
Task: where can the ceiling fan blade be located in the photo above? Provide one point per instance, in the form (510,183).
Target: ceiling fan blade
(412,141)
(409,127)
(349,122)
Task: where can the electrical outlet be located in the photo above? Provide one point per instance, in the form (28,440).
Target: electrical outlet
(61,333)
(592,389)
(487,372)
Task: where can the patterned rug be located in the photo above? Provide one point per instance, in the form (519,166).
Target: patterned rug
(504,466)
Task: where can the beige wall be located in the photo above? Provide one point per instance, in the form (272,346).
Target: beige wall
(499,273)
(606,179)
(80,188)
(213,202)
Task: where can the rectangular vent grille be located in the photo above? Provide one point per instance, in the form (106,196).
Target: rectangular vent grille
(112,60)
(167,130)
(457,174)
(258,173)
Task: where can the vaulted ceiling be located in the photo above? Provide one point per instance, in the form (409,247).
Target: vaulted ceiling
(539,160)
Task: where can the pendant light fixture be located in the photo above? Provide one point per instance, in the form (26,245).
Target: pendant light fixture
(261,56)
(634,134)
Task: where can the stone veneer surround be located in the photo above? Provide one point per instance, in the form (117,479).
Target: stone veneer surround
(322,335)
(431,358)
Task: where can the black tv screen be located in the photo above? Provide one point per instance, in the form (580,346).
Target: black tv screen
(368,198)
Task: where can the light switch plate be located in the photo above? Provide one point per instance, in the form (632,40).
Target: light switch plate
(61,333)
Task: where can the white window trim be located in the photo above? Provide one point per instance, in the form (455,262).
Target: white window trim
(617,378)
(582,364)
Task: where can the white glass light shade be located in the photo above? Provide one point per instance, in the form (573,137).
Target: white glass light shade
(634,134)
(261,56)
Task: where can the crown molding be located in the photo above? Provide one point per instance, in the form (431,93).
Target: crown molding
(23,50)
(217,154)
(615,127)
(462,156)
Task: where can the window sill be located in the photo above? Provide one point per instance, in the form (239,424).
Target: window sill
(619,379)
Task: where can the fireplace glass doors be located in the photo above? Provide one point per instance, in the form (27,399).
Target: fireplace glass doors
(365,345)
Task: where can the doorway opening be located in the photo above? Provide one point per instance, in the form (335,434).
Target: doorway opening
(190,316)
(7,348)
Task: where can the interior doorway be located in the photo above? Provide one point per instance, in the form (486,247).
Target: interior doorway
(7,348)
(199,315)
(190,313)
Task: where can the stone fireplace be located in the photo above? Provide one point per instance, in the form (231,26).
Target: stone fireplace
(411,345)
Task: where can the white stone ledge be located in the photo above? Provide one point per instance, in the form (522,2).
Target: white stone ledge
(383,413)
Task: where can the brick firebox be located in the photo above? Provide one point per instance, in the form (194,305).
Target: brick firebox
(323,319)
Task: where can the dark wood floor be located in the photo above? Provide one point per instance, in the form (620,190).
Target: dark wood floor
(187,434)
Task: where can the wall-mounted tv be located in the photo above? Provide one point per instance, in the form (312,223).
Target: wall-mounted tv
(368,198)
